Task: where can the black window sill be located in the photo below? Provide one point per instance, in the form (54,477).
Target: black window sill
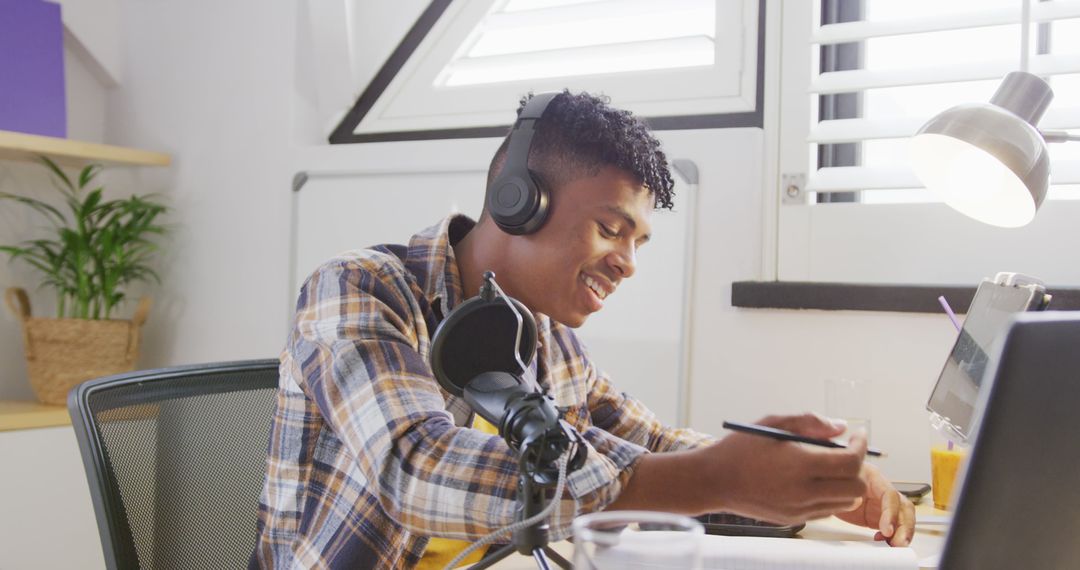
(869,297)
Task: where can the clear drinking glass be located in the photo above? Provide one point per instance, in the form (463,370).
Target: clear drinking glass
(636,539)
(849,400)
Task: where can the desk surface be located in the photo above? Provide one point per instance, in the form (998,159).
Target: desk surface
(928,541)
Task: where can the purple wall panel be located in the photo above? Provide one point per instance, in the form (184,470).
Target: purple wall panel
(32,68)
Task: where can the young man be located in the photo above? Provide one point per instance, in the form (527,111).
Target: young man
(370,459)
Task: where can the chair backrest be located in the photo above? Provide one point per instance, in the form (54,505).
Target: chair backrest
(175,459)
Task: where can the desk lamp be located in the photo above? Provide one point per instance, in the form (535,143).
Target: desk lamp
(988,160)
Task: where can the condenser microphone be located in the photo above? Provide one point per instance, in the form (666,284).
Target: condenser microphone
(480,352)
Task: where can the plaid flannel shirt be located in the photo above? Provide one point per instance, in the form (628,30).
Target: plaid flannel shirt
(367,455)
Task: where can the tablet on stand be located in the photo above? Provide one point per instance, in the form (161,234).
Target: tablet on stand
(952,402)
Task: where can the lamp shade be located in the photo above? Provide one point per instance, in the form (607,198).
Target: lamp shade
(987,160)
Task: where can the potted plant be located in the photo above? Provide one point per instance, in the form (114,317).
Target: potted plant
(95,249)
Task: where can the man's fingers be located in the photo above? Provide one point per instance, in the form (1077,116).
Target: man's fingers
(847,462)
(826,509)
(808,424)
(858,442)
(837,464)
(840,490)
(890,511)
(906,527)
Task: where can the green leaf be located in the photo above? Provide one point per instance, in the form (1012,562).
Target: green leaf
(91,202)
(57,172)
(88,174)
(47,210)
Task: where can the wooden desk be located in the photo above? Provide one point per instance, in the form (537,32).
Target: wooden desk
(928,541)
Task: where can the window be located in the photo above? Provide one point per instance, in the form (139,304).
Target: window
(875,71)
(677,58)
(539,39)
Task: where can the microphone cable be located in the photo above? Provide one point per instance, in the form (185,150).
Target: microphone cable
(488,539)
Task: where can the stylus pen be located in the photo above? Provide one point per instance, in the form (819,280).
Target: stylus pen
(788,436)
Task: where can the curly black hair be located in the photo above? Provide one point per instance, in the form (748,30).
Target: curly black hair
(580,133)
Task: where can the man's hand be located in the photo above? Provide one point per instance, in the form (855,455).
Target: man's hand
(777,481)
(785,482)
(883,508)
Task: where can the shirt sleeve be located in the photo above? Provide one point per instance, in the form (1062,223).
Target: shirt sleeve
(623,416)
(359,353)
(618,428)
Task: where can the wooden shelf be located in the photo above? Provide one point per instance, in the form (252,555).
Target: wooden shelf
(16,415)
(21,146)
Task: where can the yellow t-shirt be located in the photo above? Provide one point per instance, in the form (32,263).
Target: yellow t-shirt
(440,551)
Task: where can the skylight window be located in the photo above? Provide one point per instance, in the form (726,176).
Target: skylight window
(462,61)
(532,39)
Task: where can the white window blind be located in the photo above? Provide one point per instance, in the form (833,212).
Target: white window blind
(844,136)
(918,58)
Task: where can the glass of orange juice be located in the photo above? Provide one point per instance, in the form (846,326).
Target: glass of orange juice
(944,466)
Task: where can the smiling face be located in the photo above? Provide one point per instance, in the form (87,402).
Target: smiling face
(585,249)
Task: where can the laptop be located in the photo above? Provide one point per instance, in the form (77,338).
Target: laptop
(1019,501)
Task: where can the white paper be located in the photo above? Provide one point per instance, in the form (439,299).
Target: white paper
(759,553)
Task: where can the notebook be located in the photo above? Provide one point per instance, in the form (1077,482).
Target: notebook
(762,553)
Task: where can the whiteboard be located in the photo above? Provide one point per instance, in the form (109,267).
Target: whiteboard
(638,338)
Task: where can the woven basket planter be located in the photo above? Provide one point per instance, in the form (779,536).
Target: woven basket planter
(61,353)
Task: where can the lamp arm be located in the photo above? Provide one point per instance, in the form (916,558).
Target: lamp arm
(1025,25)
(1058,136)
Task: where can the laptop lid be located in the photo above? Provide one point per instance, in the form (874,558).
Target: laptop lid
(1019,502)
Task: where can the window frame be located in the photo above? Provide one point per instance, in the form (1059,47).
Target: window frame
(748,112)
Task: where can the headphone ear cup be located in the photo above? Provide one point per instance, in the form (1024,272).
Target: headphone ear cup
(518,204)
(539,203)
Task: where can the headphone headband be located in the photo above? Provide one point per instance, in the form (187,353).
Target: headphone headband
(536,105)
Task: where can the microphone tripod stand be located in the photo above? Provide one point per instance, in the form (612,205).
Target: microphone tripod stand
(533,539)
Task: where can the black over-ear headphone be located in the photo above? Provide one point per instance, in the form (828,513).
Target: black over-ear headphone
(517,200)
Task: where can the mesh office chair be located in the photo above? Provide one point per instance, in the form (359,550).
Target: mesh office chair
(175,459)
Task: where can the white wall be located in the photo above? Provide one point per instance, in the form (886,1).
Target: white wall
(211,84)
(92,29)
(758,362)
(747,363)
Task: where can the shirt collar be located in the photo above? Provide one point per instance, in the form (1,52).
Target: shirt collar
(431,258)
(431,255)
